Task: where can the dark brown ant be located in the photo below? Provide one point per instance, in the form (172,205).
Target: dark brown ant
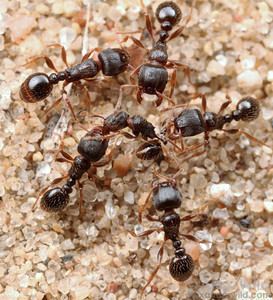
(166,198)
(153,76)
(92,147)
(192,121)
(151,150)
(38,86)
(121,119)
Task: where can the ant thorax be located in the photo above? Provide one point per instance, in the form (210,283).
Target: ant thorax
(159,53)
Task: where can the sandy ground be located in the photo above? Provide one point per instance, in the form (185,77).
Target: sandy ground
(228,45)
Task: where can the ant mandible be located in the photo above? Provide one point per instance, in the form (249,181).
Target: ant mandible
(153,76)
(38,86)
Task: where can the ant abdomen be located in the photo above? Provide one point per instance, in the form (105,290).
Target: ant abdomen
(249,109)
(181,266)
(36,88)
(113,61)
(55,199)
(168,14)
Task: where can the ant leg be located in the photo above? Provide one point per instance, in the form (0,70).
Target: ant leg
(47,60)
(192,148)
(81,199)
(136,70)
(190,237)
(163,176)
(55,103)
(153,218)
(186,69)
(134,40)
(63,52)
(181,28)
(125,86)
(87,55)
(161,96)
(139,95)
(65,97)
(204,103)
(144,206)
(149,26)
(172,83)
(53,182)
(146,232)
(159,99)
(249,136)
(188,158)
(159,256)
(187,218)
(224,106)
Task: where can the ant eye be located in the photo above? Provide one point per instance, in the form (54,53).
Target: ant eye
(123,58)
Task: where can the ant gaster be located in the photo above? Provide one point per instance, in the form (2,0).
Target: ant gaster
(153,76)
(166,198)
(38,86)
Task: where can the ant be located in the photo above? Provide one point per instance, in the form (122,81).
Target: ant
(192,121)
(38,86)
(92,147)
(151,150)
(153,75)
(166,198)
(121,119)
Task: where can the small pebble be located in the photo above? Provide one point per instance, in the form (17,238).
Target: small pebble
(249,80)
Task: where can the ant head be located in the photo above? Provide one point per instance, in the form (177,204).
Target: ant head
(168,14)
(181,266)
(249,109)
(93,146)
(54,200)
(211,120)
(113,61)
(166,196)
(36,88)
